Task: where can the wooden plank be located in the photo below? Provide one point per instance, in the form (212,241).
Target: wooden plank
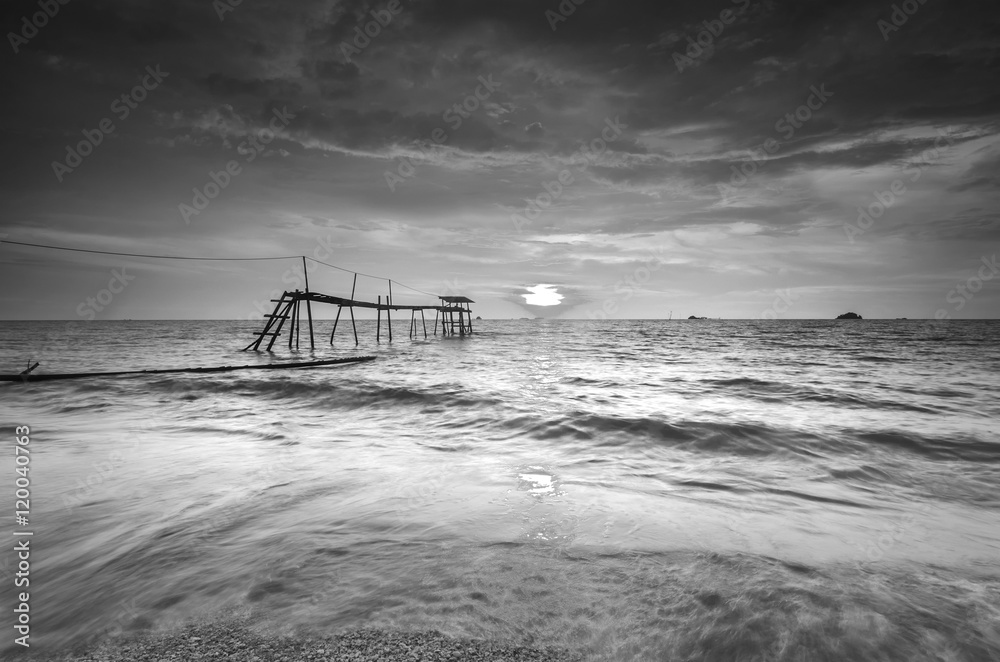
(226,368)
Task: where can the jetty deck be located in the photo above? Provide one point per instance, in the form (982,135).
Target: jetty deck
(452,313)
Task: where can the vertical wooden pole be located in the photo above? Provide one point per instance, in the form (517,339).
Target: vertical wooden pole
(294,306)
(309,310)
(413,321)
(461,323)
(336,319)
(353,325)
(388,317)
(436,313)
(424,321)
(378,325)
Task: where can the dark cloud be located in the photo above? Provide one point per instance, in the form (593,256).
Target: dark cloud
(413,94)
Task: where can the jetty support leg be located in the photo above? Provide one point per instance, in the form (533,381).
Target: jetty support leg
(309,310)
(336,319)
(354,326)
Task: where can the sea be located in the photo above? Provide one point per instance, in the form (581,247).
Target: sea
(710,490)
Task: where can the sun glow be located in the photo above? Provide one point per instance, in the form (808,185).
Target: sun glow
(542,295)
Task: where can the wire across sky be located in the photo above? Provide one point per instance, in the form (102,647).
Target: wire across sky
(213,259)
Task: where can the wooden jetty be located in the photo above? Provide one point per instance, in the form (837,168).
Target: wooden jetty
(453,313)
(27,376)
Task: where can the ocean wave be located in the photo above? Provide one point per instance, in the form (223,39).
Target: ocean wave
(773,391)
(743,439)
(324,392)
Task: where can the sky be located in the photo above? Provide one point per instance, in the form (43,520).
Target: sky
(573,159)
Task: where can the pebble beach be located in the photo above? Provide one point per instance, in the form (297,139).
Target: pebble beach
(238,642)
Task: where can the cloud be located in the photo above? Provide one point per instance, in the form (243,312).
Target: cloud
(396,101)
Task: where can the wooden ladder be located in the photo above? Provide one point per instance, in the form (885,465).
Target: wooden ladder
(284,308)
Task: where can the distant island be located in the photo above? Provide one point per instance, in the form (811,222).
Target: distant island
(695,317)
(849,316)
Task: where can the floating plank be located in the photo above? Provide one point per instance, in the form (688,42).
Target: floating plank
(24,377)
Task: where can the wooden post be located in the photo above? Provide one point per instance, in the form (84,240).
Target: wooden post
(294,304)
(336,319)
(378,325)
(388,317)
(353,325)
(309,310)
(461,323)
(436,313)
(413,321)
(424,321)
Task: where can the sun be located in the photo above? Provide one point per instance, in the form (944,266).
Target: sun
(542,295)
